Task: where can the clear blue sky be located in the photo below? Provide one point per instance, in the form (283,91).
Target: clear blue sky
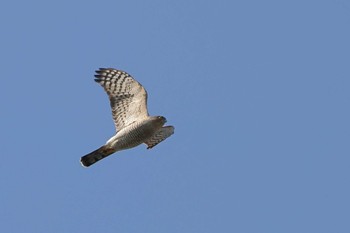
(258,92)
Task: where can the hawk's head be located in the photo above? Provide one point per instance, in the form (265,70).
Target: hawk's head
(160,120)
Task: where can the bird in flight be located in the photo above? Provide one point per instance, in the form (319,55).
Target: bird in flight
(134,126)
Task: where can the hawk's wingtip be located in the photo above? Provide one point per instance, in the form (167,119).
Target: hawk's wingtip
(99,71)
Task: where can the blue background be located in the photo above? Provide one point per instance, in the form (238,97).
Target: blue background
(258,92)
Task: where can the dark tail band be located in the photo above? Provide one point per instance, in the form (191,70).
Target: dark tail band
(95,156)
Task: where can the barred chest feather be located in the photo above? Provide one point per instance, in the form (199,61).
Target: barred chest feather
(133,135)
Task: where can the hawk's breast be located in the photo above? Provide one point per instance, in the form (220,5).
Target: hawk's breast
(133,135)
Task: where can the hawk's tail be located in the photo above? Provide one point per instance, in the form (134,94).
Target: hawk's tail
(95,156)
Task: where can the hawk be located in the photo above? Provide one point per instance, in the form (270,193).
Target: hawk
(134,126)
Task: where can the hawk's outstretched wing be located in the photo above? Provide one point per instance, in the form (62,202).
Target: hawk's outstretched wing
(160,136)
(128,98)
